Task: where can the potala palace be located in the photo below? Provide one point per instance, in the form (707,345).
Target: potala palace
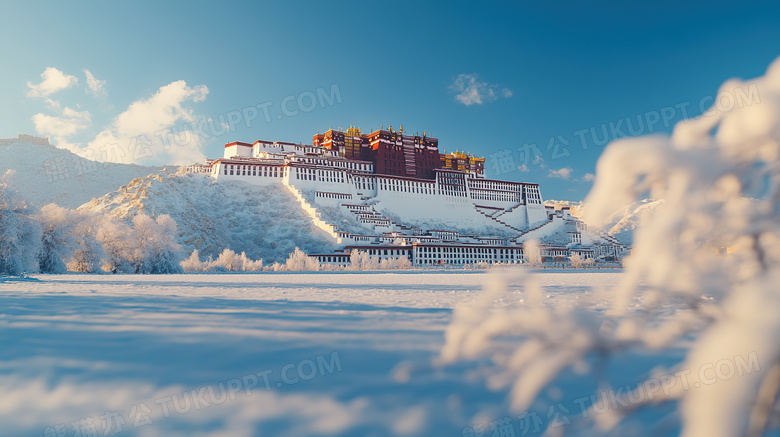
(392,195)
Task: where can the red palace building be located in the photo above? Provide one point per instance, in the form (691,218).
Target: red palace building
(394,153)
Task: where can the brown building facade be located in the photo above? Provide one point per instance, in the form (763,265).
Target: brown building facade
(394,153)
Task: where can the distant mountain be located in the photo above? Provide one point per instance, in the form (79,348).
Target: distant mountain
(47,174)
(576,207)
(621,223)
(265,222)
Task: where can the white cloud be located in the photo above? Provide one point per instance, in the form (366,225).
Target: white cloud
(136,134)
(561,173)
(470,90)
(524,168)
(53,80)
(95,86)
(59,127)
(589,177)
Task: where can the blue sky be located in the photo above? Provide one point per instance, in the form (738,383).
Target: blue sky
(486,77)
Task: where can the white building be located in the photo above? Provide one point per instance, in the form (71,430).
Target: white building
(457,217)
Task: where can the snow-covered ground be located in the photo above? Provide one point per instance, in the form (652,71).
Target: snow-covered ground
(261,354)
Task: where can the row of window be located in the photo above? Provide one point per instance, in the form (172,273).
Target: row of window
(363,183)
(460,256)
(389,252)
(532,195)
(450,186)
(280,147)
(467,250)
(254,170)
(500,197)
(306,174)
(466,255)
(334,259)
(407,186)
(327,195)
(606,250)
(492,185)
(349,165)
(330,176)
(373,221)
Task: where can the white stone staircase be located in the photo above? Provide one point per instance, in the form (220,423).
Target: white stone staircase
(494,219)
(535,230)
(368,215)
(316,217)
(507,211)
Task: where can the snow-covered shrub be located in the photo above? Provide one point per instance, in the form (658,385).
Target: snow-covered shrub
(249,265)
(20,234)
(361,260)
(400,263)
(193,263)
(233,262)
(300,261)
(228,261)
(578,262)
(532,253)
(714,246)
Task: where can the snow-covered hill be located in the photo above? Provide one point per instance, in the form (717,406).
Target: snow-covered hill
(265,222)
(622,223)
(46,174)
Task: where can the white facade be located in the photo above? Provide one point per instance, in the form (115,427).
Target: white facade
(395,210)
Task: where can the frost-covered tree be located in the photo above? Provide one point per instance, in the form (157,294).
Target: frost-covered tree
(712,250)
(148,246)
(58,240)
(576,261)
(69,240)
(20,233)
(88,254)
(116,239)
(155,249)
(300,261)
(579,262)
(361,260)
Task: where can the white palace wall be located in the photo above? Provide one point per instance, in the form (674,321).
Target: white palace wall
(407,199)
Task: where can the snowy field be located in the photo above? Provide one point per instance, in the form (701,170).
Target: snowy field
(262,355)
